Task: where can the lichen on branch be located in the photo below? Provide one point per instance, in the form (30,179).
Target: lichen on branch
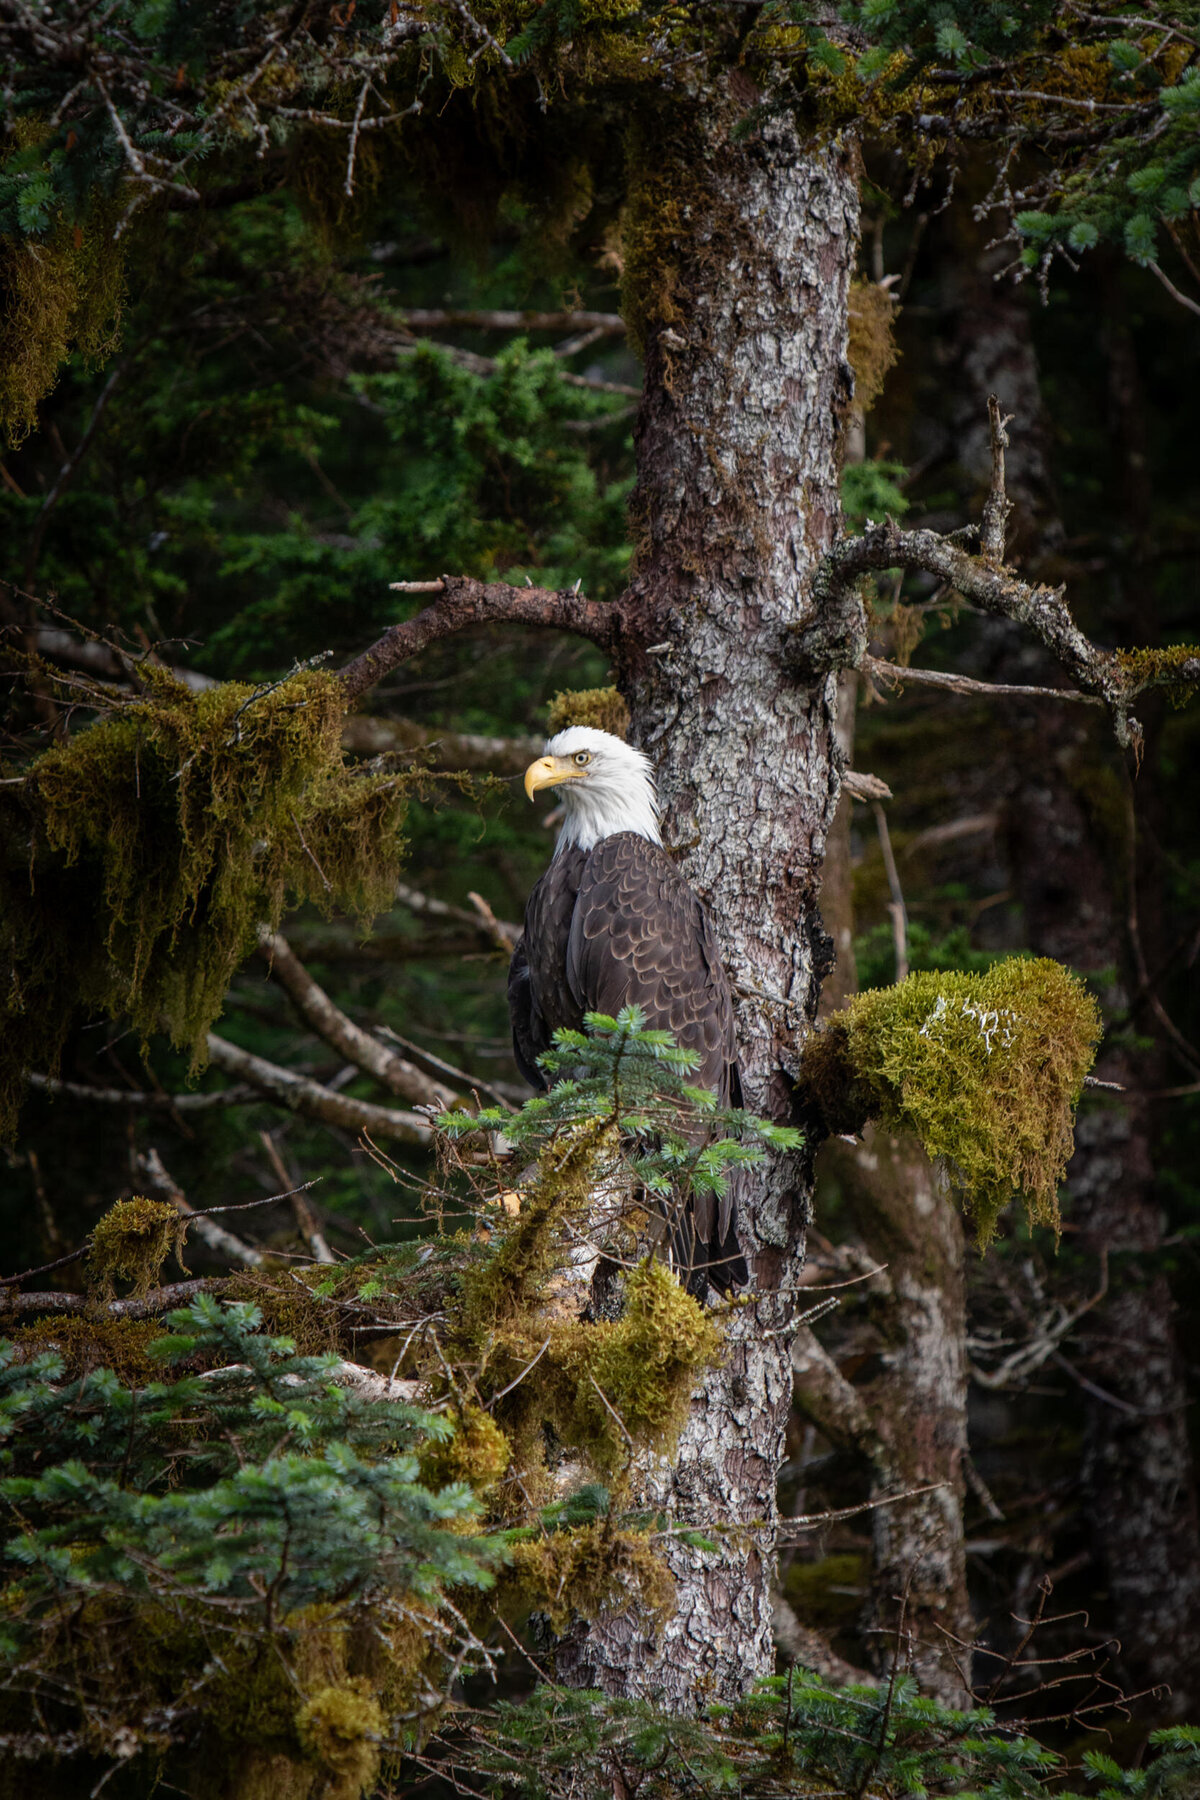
(986,1070)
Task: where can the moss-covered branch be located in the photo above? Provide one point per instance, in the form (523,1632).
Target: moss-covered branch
(986,1070)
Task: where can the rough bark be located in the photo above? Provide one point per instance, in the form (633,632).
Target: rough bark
(737,440)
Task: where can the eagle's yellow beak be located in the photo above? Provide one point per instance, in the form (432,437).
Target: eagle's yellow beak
(548,771)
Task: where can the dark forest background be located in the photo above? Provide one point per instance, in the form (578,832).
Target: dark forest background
(295,416)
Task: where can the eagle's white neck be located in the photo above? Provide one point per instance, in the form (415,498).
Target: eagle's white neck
(616,794)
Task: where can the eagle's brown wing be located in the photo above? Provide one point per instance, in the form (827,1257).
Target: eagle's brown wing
(640,936)
(619,926)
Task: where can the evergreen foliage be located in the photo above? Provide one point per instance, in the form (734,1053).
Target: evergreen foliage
(791,1736)
(217,1554)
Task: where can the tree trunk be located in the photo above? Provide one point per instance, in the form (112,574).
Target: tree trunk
(739,279)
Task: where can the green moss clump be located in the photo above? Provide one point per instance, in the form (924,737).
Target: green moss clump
(583,1571)
(1177,668)
(340,1729)
(603,1386)
(986,1070)
(132,1241)
(138,859)
(604,709)
(478,1453)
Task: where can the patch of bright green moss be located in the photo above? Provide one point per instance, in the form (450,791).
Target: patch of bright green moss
(340,1729)
(986,1070)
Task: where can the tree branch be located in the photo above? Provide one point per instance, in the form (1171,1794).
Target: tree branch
(896,674)
(462,602)
(442,319)
(298,1093)
(366,735)
(355,1044)
(136,1100)
(158,1300)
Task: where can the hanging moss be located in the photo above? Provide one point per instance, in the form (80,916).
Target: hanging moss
(604,709)
(872,347)
(986,1070)
(60,293)
(138,859)
(132,1242)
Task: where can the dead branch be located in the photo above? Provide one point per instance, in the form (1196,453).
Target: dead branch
(836,634)
(158,1300)
(463,602)
(998,505)
(331,1023)
(443,319)
(861,786)
(896,674)
(298,1093)
(306,1218)
(365,735)
(136,1100)
(426,906)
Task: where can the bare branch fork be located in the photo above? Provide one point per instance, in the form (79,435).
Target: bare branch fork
(837,635)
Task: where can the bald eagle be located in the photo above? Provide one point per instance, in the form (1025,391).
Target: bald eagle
(613,923)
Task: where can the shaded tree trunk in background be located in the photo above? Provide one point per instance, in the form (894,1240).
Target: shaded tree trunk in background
(1071,873)
(917,1401)
(737,498)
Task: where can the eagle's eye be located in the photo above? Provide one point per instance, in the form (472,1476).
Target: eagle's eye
(582,758)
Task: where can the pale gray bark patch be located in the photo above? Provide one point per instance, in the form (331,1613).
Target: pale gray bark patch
(738,449)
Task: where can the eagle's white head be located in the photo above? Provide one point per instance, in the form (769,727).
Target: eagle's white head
(607,786)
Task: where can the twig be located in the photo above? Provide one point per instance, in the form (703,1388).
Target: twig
(998,506)
(520,1378)
(298,1093)
(896,909)
(807,1521)
(1183,299)
(616,1415)
(502,935)
(897,674)
(305,1217)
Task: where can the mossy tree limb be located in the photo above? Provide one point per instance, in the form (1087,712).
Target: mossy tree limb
(986,1070)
